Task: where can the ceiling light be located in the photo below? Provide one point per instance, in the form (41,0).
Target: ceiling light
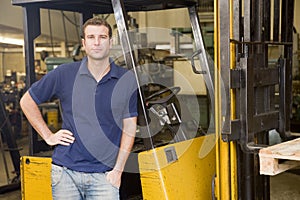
(13,41)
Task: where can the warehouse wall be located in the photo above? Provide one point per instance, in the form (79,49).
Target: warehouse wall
(14,62)
(11,15)
(160,23)
(57,27)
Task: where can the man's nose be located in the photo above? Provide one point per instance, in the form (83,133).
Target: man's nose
(97,41)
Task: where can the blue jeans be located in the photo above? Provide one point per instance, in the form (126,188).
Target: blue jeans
(72,185)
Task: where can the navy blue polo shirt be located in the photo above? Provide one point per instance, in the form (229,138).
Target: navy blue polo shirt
(93,111)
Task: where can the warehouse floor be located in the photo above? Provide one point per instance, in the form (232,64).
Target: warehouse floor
(284,186)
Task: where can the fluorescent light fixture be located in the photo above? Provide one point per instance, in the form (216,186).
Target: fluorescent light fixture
(14,41)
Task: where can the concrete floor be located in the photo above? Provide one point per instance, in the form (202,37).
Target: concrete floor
(15,195)
(284,186)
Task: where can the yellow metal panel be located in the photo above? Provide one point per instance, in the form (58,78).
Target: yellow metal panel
(188,177)
(224,176)
(233,167)
(36,178)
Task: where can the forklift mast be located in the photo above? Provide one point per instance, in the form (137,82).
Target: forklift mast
(257,85)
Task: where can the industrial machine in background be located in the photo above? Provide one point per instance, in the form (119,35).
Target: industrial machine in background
(10,130)
(205,113)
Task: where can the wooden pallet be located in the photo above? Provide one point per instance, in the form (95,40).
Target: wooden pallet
(280,157)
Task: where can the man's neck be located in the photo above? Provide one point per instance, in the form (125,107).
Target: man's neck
(98,68)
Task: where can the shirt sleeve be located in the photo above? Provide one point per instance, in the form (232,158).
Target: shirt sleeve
(46,88)
(132,110)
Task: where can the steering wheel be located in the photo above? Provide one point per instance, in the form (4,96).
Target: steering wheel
(174,90)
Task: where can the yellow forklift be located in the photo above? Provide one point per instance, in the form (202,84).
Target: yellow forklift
(248,95)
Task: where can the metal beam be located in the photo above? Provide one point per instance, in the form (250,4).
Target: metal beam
(32,30)
(195,23)
(131,63)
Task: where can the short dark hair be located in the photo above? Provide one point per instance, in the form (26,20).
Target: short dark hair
(97,21)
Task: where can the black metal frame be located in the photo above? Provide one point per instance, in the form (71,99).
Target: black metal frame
(104,6)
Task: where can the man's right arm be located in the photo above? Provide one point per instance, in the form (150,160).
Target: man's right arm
(34,116)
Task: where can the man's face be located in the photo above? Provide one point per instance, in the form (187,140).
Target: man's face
(97,42)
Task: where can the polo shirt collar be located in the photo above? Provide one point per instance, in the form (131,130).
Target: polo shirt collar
(113,73)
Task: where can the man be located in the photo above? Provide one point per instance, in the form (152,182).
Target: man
(99,109)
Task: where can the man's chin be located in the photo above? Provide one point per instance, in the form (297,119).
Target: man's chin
(98,57)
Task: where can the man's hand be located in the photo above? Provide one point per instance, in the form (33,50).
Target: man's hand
(114,178)
(63,137)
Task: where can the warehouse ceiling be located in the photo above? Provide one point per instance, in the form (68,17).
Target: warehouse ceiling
(13,38)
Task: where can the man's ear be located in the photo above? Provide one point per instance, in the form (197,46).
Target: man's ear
(82,42)
(110,42)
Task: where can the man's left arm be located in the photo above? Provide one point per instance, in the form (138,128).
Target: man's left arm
(127,140)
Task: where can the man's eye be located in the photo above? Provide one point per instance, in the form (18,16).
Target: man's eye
(90,37)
